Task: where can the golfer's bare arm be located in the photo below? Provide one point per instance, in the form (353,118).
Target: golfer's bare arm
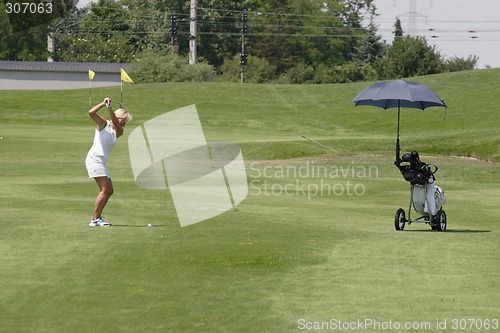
(99,120)
(116,124)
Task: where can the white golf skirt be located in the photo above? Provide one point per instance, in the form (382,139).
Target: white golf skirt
(96,167)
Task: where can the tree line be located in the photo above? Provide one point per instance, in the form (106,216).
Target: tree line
(286,41)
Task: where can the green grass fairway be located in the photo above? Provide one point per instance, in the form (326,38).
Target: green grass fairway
(312,244)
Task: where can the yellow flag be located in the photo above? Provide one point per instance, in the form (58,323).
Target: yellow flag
(124,76)
(91,74)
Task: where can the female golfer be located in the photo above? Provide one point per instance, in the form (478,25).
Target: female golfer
(106,133)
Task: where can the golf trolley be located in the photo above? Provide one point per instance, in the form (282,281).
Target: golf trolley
(426,198)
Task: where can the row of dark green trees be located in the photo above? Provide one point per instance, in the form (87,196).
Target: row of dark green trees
(287,41)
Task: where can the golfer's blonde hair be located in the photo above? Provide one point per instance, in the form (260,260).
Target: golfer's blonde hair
(123,114)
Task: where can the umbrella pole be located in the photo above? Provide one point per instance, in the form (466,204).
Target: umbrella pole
(398,149)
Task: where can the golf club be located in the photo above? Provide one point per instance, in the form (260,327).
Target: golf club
(319,144)
(119,104)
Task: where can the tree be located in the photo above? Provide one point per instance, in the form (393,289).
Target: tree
(257,70)
(300,40)
(370,47)
(274,27)
(323,36)
(455,64)
(398,29)
(168,67)
(27,45)
(100,34)
(353,14)
(219,29)
(409,56)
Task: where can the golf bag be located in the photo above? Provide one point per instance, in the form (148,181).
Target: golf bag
(426,197)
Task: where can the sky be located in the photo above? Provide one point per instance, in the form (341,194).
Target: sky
(461,28)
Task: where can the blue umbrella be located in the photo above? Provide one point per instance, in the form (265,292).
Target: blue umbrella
(400,94)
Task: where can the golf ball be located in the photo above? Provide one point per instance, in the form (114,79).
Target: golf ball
(150,225)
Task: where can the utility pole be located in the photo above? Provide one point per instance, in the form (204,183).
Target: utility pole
(412,18)
(173,33)
(243,55)
(51,47)
(192,34)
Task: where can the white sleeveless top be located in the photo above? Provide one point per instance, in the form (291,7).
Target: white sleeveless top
(104,141)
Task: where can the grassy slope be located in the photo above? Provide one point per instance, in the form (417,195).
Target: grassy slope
(279,257)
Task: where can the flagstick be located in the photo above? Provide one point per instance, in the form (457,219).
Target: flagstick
(123,77)
(90,94)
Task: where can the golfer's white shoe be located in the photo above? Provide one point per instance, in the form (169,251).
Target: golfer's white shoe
(99,222)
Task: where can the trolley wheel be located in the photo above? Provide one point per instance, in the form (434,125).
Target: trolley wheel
(400,219)
(441,221)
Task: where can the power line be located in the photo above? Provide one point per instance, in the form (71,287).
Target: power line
(264,24)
